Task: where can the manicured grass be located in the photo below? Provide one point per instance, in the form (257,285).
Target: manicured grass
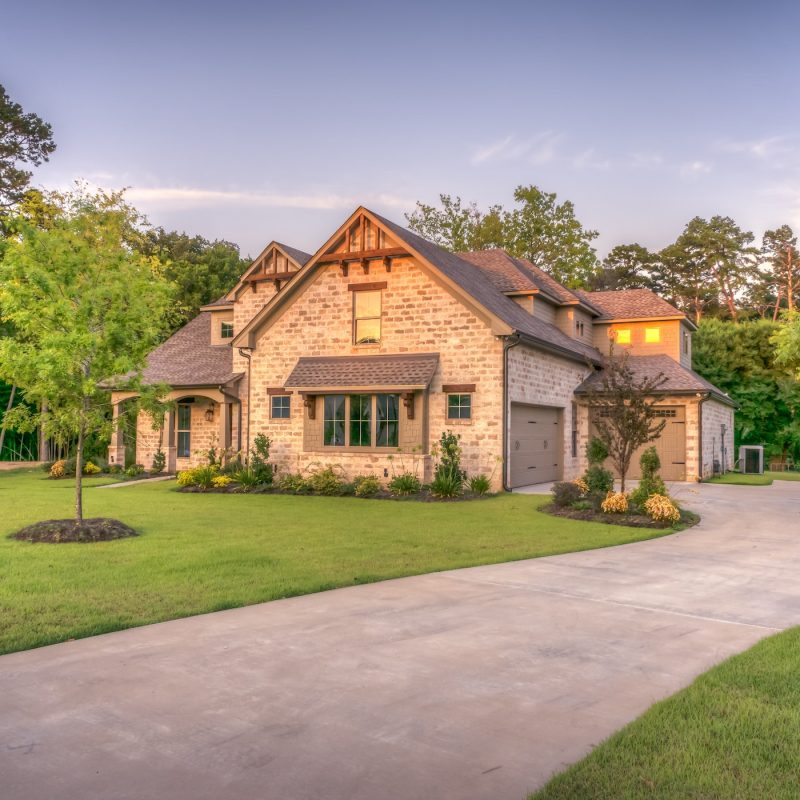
(766,479)
(735,732)
(199,552)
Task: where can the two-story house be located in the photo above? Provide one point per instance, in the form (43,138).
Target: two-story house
(381,340)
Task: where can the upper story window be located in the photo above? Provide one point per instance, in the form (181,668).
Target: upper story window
(623,335)
(367,317)
(652,335)
(579,328)
(686,341)
(226,330)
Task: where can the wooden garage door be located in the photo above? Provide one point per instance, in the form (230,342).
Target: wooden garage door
(536,444)
(671,446)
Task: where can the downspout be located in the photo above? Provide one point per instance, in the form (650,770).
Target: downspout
(510,341)
(246,352)
(702,399)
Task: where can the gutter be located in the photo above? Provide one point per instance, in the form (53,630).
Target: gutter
(510,341)
(525,338)
(246,352)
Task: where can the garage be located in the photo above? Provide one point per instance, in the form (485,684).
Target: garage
(671,446)
(536,444)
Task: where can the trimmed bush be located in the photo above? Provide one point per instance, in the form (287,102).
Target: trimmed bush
(596,451)
(326,481)
(58,469)
(91,469)
(405,484)
(366,486)
(565,493)
(134,470)
(202,476)
(115,469)
(598,480)
(293,482)
(582,485)
(660,508)
(159,462)
(479,484)
(615,503)
(651,482)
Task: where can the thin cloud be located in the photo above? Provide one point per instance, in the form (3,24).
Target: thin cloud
(766,149)
(693,169)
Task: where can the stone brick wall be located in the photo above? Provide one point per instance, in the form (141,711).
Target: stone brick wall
(418,315)
(716,414)
(542,379)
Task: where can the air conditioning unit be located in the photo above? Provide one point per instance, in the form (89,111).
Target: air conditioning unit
(751,459)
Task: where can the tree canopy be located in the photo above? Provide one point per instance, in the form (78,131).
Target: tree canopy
(83,307)
(24,139)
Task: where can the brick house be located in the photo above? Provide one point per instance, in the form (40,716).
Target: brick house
(364,353)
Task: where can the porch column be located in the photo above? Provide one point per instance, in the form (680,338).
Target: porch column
(169,445)
(224,425)
(116,450)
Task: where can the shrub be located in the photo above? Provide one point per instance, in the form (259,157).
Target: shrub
(582,485)
(259,458)
(159,462)
(599,481)
(366,486)
(232,466)
(651,482)
(46,466)
(221,481)
(447,484)
(69,466)
(404,484)
(91,468)
(581,505)
(134,470)
(449,457)
(596,451)
(615,503)
(325,481)
(202,476)
(58,469)
(565,493)
(114,469)
(294,482)
(186,477)
(246,477)
(660,508)
(479,484)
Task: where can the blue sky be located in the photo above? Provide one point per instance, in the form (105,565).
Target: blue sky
(257,121)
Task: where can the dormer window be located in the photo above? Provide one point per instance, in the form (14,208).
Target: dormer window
(579,329)
(367,317)
(226,330)
(686,340)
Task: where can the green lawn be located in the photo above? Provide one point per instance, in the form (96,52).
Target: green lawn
(766,479)
(734,733)
(201,553)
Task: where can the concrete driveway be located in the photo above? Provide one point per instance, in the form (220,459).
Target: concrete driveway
(477,683)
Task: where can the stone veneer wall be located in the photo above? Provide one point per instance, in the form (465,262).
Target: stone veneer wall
(542,379)
(716,414)
(418,315)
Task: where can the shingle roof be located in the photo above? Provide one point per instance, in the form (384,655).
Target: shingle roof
(188,358)
(398,371)
(300,256)
(630,304)
(473,281)
(679,379)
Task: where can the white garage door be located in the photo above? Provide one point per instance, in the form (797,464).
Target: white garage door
(536,444)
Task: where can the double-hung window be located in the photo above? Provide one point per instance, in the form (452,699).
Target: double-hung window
(360,420)
(367,317)
(333,420)
(184,429)
(387,415)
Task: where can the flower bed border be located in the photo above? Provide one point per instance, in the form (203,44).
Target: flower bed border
(688,518)
(419,497)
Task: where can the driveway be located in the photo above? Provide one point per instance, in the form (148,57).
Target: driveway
(475,683)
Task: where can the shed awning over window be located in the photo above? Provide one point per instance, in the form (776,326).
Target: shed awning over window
(331,373)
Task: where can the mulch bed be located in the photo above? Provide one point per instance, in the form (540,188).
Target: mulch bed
(630,520)
(62,531)
(420,497)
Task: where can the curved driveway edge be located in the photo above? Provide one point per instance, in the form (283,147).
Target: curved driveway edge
(474,683)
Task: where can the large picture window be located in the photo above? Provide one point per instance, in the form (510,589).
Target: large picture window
(184,429)
(333,420)
(361,420)
(387,415)
(367,317)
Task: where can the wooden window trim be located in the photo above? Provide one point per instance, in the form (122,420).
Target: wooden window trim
(367,287)
(374,287)
(347,447)
(459,418)
(272,414)
(271,391)
(458,388)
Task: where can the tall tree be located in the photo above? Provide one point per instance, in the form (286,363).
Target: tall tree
(84,307)
(539,229)
(24,139)
(627,266)
(780,268)
(201,270)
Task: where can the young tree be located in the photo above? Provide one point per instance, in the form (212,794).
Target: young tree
(84,307)
(624,410)
(24,139)
(539,229)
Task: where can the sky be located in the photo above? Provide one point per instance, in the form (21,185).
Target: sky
(254,121)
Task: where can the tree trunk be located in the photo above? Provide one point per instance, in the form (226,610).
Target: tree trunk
(79,476)
(8,408)
(44,444)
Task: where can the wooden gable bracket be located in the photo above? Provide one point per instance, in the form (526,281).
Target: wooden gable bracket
(365,266)
(408,402)
(345,269)
(310,402)
(387,263)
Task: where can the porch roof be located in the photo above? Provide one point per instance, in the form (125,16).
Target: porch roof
(404,371)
